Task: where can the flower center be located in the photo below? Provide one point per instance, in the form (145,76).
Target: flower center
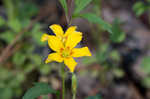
(65,54)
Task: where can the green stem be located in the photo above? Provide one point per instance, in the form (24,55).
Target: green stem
(74,95)
(63,81)
(74,86)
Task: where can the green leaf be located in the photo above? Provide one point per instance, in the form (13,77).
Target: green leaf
(6,74)
(64,5)
(80,5)
(36,59)
(118,72)
(15,25)
(146,65)
(2,21)
(45,97)
(139,8)
(19,58)
(98,96)
(37,33)
(7,36)
(25,23)
(117,34)
(38,90)
(114,55)
(148,1)
(45,69)
(95,19)
(77,2)
(89,60)
(102,53)
(146,82)
(27,10)
(28,68)
(6,93)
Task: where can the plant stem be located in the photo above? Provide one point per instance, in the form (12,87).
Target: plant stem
(74,95)
(74,85)
(63,81)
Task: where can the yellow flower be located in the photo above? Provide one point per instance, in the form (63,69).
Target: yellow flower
(58,31)
(65,51)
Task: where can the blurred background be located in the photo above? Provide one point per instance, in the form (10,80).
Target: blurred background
(118,69)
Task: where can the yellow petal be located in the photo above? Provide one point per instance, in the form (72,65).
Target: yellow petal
(57,29)
(73,39)
(55,43)
(70,30)
(54,57)
(44,37)
(70,63)
(79,52)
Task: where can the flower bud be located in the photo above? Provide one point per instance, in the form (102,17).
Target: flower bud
(74,83)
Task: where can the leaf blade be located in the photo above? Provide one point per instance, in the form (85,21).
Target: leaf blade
(95,19)
(117,35)
(39,89)
(80,5)
(64,5)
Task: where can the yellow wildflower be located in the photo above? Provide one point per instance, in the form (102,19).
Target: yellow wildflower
(58,31)
(65,51)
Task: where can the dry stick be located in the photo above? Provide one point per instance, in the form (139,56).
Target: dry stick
(13,50)
(136,92)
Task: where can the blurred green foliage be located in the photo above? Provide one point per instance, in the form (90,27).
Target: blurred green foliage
(80,5)
(40,89)
(98,96)
(140,7)
(145,66)
(117,34)
(14,72)
(64,5)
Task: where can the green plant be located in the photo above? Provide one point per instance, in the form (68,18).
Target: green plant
(140,7)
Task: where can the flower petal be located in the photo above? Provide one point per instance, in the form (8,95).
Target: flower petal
(70,30)
(57,29)
(70,63)
(55,43)
(44,37)
(73,39)
(79,52)
(54,57)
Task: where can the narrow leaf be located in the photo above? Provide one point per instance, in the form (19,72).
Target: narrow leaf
(7,36)
(139,8)
(64,5)
(2,21)
(80,5)
(38,90)
(95,19)
(145,65)
(117,34)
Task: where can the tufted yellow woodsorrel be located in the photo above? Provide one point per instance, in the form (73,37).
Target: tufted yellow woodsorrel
(64,46)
